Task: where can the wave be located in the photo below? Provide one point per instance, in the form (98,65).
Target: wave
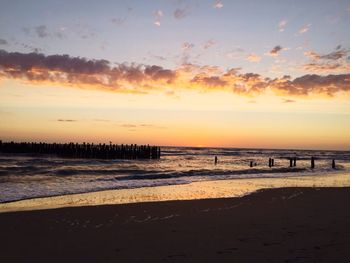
(202,172)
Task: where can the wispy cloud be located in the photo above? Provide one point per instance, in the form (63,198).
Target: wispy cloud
(325,67)
(140,126)
(180,13)
(218,4)
(288,101)
(282,25)
(28,47)
(335,61)
(311,55)
(209,44)
(304,29)
(66,120)
(235,53)
(42,31)
(186,52)
(158,16)
(158,57)
(186,46)
(118,21)
(253,58)
(134,78)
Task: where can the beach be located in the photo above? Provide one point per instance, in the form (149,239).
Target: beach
(295,224)
(191,215)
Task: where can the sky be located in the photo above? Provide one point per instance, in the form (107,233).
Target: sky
(255,74)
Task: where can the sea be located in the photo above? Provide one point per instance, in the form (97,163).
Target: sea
(32,176)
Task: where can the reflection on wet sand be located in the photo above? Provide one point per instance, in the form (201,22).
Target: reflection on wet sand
(197,190)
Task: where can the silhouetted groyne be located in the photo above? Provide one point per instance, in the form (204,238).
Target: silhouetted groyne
(84,150)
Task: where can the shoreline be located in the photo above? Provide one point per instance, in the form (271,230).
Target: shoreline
(292,224)
(192,191)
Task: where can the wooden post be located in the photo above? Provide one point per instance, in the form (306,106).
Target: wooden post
(270,162)
(333,164)
(312,162)
(251,163)
(216,160)
(295,161)
(290,162)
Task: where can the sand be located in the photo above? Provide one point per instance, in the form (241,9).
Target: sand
(276,225)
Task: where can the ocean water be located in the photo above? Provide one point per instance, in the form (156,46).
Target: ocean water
(25,177)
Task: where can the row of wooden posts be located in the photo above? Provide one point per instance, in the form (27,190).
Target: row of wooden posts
(84,150)
(292,162)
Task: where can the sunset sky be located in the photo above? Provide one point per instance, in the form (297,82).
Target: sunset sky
(271,74)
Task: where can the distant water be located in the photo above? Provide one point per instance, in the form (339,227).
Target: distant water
(23,177)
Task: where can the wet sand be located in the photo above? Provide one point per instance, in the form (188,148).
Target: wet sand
(276,225)
(196,190)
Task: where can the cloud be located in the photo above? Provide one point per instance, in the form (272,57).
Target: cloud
(335,61)
(337,54)
(81,72)
(304,29)
(218,4)
(282,25)
(100,75)
(209,44)
(3,41)
(326,67)
(253,58)
(118,21)
(288,101)
(29,47)
(186,52)
(313,84)
(275,51)
(141,125)
(235,53)
(158,16)
(161,58)
(66,120)
(41,31)
(186,46)
(312,55)
(180,13)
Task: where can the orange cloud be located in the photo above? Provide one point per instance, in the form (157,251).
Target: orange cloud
(134,78)
(253,58)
